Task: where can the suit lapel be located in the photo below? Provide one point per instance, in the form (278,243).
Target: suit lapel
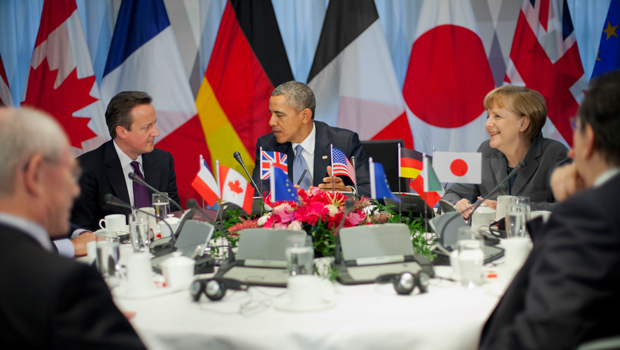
(531,165)
(115,175)
(321,149)
(499,168)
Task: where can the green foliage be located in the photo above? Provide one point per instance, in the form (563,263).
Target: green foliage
(324,240)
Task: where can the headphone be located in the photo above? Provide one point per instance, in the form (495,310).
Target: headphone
(405,282)
(214,288)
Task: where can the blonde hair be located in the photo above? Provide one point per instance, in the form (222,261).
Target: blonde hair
(522,102)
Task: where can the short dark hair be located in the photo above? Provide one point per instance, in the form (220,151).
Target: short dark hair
(119,109)
(299,95)
(601,110)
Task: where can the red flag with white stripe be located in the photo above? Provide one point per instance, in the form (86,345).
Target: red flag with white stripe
(5,92)
(235,188)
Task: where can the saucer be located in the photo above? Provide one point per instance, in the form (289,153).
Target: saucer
(320,306)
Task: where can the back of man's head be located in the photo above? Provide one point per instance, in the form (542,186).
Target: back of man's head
(601,110)
(299,95)
(25,132)
(119,109)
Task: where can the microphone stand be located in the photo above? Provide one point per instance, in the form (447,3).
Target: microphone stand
(238,158)
(348,206)
(137,179)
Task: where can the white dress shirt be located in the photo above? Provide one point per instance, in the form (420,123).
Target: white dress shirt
(128,169)
(308,152)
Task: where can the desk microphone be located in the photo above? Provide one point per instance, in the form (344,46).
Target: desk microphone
(348,206)
(110,199)
(513,173)
(237,156)
(192,204)
(137,179)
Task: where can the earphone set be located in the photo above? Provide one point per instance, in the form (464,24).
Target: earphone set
(405,282)
(214,288)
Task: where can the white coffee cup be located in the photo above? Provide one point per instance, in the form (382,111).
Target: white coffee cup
(304,290)
(482,217)
(113,223)
(503,206)
(172,221)
(150,218)
(91,251)
(178,270)
(516,250)
(139,273)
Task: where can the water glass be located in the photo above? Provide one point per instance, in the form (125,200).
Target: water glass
(161,205)
(471,261)
(299,255)
(139,231)
(515,222)
(107,254)
(522,202)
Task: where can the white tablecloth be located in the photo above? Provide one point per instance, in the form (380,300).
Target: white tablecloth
(365,317)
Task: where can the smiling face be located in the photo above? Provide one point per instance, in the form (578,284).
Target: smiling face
(141,138)
(505,128)
(287,124)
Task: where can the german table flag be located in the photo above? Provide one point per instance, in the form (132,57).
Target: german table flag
(410,163)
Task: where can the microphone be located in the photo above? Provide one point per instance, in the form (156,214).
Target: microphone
(237,156)
(110,199)
(348,206)
(137,179)
(192,204)
(513,173)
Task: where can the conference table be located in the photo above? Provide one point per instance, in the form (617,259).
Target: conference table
(369,316)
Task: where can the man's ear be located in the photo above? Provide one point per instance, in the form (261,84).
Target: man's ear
(33,175)
(306,115)
(590,141)
(121,132)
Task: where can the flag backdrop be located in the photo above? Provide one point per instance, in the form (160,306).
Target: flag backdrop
(61,79)
(353,76)
(144,57)
(5,92)
(545,57)
(608,57)
(447,79)
(248,61)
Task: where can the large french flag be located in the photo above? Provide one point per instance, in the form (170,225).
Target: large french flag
(545,57)
(5,92)
(248,61)
(144,56)
(353,76)
(447,78)
(61,80)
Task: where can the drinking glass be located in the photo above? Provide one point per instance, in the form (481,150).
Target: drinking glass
(107,254)
(523,202)
(299,255)
(161,205)
(139,231)
(515,222)
(471,260)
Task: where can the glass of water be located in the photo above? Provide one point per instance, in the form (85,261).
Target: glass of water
(523,203)
(471,261)
(299,255)
(161,205)
(107,255)
(515,222)
(139,231)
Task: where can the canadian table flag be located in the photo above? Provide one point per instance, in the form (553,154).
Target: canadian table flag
(235,188)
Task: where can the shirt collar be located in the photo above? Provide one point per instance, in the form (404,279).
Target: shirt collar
(606,176)
(30,228)
(309,142)
(125,160)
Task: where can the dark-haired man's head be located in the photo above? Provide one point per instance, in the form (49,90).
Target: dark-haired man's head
(130,117)
(292,106)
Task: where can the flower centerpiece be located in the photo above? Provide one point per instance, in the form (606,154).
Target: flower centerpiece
(319,213)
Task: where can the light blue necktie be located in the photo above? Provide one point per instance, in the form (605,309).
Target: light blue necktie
(299,165)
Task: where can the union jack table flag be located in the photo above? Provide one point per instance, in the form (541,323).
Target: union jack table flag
(267,159)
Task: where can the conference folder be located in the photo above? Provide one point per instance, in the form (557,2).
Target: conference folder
(370,251)
(260,258)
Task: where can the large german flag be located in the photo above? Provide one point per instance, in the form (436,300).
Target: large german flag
(247,62)
(411,163)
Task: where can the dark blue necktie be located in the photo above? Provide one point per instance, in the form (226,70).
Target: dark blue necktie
(140,192)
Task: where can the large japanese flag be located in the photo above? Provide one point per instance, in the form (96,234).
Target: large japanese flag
(61,80)
(144,57)
(235,188)
(545,57)
(5,92)
(447,78)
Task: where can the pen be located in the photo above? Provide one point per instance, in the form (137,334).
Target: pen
(302,176)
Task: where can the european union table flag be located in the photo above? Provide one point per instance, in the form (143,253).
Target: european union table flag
(608,57)
(281,187)
(379,187)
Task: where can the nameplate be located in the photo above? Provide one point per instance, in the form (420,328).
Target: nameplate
(380,260)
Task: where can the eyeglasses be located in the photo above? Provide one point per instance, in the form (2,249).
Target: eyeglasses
(76,170)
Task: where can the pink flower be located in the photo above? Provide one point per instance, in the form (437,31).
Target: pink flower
(263,219)
(354,219)
(285,212)
(331,210)
(280,226)
(295,225)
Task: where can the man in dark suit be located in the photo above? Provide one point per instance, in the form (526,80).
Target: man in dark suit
(47,301)
(292,106)
(130,117)
(567,291)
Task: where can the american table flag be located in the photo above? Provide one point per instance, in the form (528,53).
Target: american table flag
(341,165)
(267,159)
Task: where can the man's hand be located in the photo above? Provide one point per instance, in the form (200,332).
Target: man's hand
(565,181)
(464,207)
(489,203)
(338,183)
(79,242)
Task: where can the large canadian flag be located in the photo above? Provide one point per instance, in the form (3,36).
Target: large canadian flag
(544,57)
(5,92)
(447,78)
(61,80)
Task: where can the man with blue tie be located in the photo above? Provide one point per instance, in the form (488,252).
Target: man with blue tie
(131,118)
(307,142)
